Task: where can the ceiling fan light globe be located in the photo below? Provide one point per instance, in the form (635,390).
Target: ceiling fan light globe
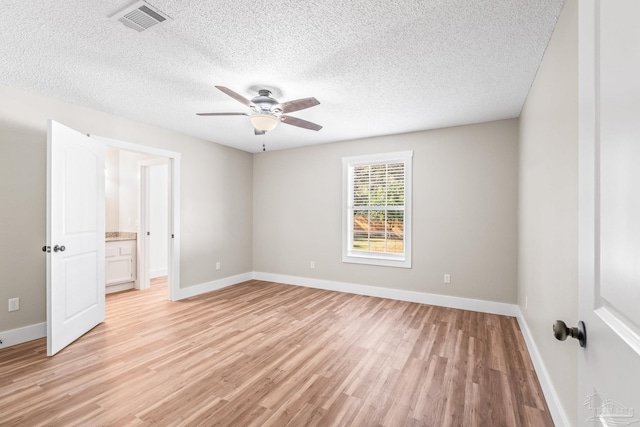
(264,122)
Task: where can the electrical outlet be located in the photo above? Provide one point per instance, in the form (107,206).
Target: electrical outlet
(447,278)
(313,264)
(218,265)
(14,304)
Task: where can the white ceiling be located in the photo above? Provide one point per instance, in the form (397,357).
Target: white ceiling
(376,67)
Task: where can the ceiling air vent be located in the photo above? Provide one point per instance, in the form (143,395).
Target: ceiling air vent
(140,16)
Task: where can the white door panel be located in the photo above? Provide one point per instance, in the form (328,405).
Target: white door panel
(609,367)
(158,219)
(619,108)
(75,221)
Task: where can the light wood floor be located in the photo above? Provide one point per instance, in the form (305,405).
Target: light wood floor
(266,354)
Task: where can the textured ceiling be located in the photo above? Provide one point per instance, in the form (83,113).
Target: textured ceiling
(376,67)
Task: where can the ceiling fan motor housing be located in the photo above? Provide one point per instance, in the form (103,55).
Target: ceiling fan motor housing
(264,103)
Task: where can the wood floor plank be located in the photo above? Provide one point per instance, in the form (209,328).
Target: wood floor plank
(267,354)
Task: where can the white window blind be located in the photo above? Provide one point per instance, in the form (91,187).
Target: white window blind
(376,214)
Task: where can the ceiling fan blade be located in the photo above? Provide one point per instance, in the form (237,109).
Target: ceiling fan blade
(298,104)
(241,99)
(221,114)
(294,121)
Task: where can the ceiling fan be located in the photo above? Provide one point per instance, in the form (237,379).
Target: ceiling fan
(267,112)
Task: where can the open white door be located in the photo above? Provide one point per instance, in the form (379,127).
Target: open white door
(154,211)
(609,70)
(75,235)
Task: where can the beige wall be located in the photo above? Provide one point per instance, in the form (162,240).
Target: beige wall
(122,185)
(129,190)
(464,212)
(548,231)
(216,191)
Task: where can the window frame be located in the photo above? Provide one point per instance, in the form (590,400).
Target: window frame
(376,258)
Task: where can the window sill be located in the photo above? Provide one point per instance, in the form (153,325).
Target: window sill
(377,260)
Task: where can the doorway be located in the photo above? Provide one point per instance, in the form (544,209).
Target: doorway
(136,219)
(141,162)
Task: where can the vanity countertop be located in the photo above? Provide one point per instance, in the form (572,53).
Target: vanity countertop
(115,236)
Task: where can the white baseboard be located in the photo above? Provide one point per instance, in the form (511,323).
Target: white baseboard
(109,289)
(21,335)
(558,414)
(397,294)
(202,288)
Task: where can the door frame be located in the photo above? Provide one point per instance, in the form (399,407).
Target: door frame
(173,248)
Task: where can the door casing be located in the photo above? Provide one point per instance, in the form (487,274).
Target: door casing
(173,159)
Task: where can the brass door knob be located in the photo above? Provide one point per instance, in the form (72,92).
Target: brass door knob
(561,331)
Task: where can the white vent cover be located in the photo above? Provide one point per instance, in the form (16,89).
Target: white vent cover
(140,16)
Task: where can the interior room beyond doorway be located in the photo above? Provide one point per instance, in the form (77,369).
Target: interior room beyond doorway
(136,193)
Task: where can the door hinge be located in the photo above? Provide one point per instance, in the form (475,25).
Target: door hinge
(172,236)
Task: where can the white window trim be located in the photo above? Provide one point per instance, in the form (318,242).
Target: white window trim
(389,260)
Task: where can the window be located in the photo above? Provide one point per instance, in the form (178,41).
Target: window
(377,209)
